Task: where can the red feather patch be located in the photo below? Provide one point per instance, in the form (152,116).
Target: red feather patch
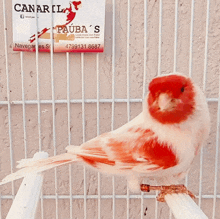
(159,154)
(145,146)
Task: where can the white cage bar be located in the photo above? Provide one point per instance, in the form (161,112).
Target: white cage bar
(113,99)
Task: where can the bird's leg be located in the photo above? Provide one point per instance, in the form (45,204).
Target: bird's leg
(164,190)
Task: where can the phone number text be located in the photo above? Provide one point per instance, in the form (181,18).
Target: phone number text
(83,46)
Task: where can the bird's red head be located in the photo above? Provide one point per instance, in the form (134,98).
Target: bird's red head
(171,99)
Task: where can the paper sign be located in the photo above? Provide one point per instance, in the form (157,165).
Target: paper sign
(75,26)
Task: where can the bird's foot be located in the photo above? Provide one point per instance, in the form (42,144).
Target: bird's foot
(164,190)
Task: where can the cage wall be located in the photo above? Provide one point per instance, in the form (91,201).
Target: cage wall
(51,100)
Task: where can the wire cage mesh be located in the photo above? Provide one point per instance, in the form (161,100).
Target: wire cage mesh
(51,100)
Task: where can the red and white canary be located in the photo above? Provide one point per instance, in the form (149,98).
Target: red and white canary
(161,142)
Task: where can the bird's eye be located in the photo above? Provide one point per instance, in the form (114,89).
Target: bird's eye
(182,89)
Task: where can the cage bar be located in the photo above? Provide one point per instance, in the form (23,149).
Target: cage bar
(204,89)
(77,101)
(23,104)
(160,15)
(113,98)
(69,130)
(8,95)
(128,86)
(175,37)
(191,38)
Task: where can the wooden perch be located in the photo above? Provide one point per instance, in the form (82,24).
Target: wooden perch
(26,200)
(183,207)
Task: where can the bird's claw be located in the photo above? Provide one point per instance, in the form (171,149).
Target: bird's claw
(164,190)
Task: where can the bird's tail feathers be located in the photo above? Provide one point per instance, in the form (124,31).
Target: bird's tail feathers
(35,166)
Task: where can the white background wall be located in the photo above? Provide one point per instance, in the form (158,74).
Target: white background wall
(134,49)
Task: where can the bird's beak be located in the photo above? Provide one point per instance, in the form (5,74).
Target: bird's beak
(164,101)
